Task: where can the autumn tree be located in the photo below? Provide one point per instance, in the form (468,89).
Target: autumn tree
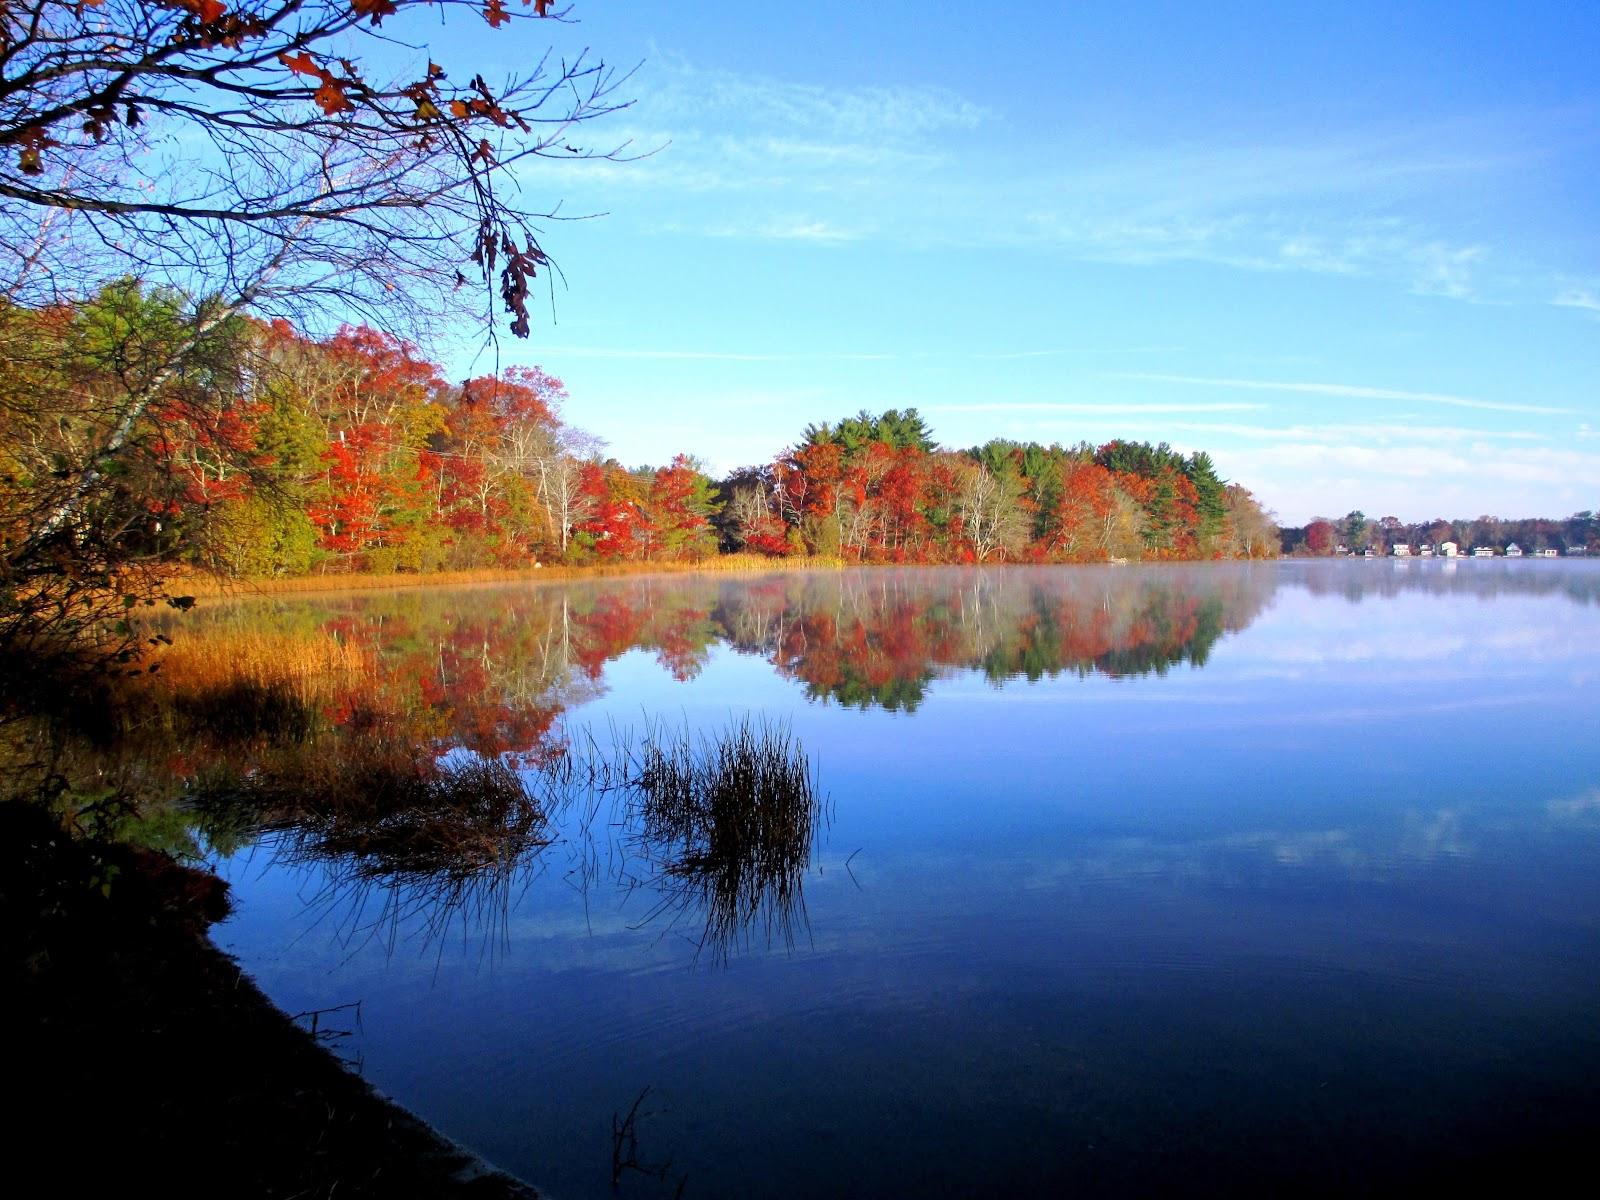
(322,162)
(749,518)
(682,502)
(1321,536)
(993,519)
(1248,530)
(276,157)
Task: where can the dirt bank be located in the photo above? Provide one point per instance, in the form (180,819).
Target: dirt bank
(147,1061)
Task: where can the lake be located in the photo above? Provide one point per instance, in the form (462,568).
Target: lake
(1197,880)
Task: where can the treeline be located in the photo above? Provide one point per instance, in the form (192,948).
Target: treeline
(503,671)
(1356,533)
(268,452)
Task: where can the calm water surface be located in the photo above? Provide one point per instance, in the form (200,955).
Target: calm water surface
(1145,880)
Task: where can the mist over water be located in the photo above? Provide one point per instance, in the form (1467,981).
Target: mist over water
(1166,879)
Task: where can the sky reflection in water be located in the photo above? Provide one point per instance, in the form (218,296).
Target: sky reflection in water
(1150,878)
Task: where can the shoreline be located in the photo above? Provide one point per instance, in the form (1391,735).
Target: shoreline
(208,588)
(158,1060)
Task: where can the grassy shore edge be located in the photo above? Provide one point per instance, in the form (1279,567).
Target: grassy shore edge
(207,586)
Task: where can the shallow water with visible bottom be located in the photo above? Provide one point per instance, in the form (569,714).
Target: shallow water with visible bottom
(1275,878)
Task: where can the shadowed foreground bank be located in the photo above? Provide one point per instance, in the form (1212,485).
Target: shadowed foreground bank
(148,1057)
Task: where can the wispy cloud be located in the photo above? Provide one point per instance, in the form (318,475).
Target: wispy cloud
(1349,391)
(1578,297)
(1075,351)
(1103,409)
(786,229)
(924,165)
(956,354)
(1519,465)
(824,114)
(610,352)
(1300,478)
(1380,433)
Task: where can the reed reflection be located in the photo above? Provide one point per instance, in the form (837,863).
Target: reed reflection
(725,827)
(715,830)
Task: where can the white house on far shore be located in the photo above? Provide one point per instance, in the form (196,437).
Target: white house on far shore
(1402,550)
(1448,549)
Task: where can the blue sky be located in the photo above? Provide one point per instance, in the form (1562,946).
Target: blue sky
(1351,250)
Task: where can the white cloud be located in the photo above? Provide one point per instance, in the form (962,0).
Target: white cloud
(1380,433)
(798,229)
(823,114)
(1348,390)
(924,165)
(1578,297)
(555,353)
(1110,409)
(1415,481)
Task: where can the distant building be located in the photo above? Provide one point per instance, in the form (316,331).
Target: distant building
(1571,550)
(1402,550)
(1449,549)
(1483,552)
(1426,551)
(1513,551)
(1547,552)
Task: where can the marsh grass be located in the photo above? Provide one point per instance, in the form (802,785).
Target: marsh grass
(237,685)
(741,563)
(221,659)
(728,822)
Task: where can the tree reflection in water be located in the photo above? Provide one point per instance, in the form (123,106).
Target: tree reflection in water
(430,790)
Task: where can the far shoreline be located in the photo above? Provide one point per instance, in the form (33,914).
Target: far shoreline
(208,588)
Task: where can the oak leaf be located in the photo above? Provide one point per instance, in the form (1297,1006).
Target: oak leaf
(301,64)
(376,9)
(209,11)
(330,96)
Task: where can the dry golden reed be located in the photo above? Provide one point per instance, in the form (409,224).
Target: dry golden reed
(219,659)
(738,563)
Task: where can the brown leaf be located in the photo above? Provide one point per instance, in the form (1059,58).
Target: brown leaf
(301,64)
(209,11)
(330,96)
(376,9)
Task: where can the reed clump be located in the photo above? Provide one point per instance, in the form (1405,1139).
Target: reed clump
(236,685)
(392,808)
(731,821)
(204,661)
